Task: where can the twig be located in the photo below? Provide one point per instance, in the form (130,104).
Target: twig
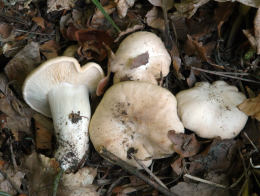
(205,181)
(256,149)
(149,171)
(224,75)
(11,182)
(252,164)
(12,154)
(109,192)
(110,156)
(36,33)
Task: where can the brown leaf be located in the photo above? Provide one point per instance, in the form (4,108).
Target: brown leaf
(39,21)
(140,60)
(251,107)
(154,19)
(122,6)
(43,137)
(257,30)
(218,157)
(5,30)
(50,49)
(183,144)
(177,166)
(22,64)
(159,3)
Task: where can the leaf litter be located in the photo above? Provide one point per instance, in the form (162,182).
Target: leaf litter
(205,45)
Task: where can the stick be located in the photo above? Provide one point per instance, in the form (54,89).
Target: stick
(110,156)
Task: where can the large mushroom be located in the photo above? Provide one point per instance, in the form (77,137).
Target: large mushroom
(135,117)
(60,88)
(210,110)
(141,56)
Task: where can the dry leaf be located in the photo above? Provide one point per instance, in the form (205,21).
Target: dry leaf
(177,166)
(139,60)
(251,107)
(252,3)
(43,137)
(98,18)
(257,29)
(218,157)
(5,30)
(129,30)
(57,5)
(154,20)
(159,3)
(22,64)
(49,49)
(183,144)
(202,189)
(122,6)
(39,21)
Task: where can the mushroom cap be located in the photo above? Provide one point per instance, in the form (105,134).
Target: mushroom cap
(134,45)
(135,116)
(210,110)
(54,72)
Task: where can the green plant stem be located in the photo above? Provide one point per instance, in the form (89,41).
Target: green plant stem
(56,182)
(100,7)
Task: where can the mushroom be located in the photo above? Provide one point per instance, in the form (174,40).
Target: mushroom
(141,56)
(59,88)
(135,117)
(210,110)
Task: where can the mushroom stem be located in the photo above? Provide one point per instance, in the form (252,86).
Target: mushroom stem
(70,111)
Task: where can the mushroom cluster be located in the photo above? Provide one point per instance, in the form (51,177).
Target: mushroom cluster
(210,110)
(60,88)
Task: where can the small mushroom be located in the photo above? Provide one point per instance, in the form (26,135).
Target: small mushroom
(135,117)
(59,88)
(141,56)
(210,110)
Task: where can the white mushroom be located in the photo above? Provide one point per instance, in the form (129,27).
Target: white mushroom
(60,88)
(210,110)
(135,117)
(141,56)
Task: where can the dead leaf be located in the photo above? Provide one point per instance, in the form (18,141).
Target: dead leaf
(257,29)
(159,3)
(122,6)
(43,137)
(129,30)
(193,47)
(218,157)
(39,21)
(202,189)
(22,64)
(5,30)
(177,166)
(140,60)
(98,18)
(43,170)
(91,42)
(49,49)
(154,19)
(251,3)
(183,144)
(251,107)
(57,5)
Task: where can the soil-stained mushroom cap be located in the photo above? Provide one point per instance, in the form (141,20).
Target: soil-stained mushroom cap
(210,110)
(153,60)
(60,88)
(135,117)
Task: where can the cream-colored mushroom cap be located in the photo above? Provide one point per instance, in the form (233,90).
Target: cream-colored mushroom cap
(134,45)
(54,72)
(135,117)
(210,110)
